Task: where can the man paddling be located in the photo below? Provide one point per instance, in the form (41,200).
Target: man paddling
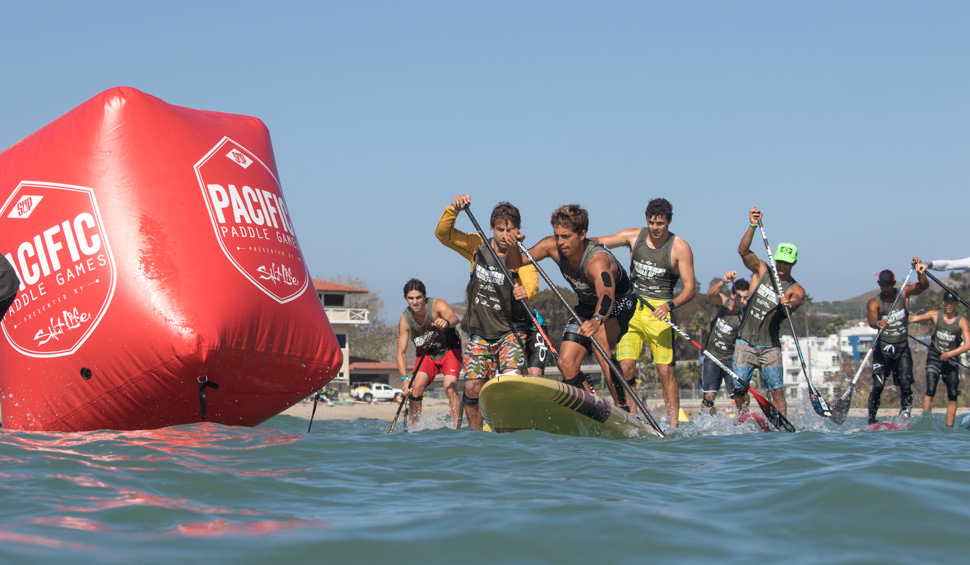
(497,322)
(724,332)
(430,324)
(606,298)
(951,338)
(891,352)
(758,345)
(659,259)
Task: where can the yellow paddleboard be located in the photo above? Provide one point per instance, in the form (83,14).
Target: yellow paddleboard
(511,402)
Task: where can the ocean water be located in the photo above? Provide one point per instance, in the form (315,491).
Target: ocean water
(350,493)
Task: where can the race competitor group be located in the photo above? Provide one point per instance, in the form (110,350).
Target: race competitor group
(622,312)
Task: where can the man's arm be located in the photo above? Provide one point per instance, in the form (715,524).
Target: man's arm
(793,297)
(444,315)
(682,259)
(464,243)
(625,237)
(751,261)
(600,271)
(528,280)
(949,264)
(402,346)
(929,316)
(545,248)
(714,294)
(872,314)
(965,346)
(921,284)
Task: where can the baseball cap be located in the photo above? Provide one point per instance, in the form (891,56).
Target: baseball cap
(949,296)
(786,252)
(886,277)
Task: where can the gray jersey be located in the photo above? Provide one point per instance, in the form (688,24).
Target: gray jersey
(897,330)
(762,318)
(651,270)
(579,279)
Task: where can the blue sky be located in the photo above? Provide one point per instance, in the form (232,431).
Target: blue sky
(848,123)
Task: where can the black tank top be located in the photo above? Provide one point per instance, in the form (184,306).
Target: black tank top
(897,330)
(762,318)
(427,339)
(947,336)
(491,307)
(578,278)
(651,271)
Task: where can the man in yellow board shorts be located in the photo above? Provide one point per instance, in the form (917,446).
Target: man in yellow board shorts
(658,260)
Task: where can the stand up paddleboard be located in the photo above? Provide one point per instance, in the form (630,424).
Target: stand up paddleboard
(762,423)
(511,402)
(883,427)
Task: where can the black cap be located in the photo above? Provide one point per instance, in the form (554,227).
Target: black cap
(949,296)
(886,278)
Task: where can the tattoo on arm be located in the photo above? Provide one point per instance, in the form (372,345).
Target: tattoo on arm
(607,280)
(605,306)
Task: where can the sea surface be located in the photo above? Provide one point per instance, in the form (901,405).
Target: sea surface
(350,493)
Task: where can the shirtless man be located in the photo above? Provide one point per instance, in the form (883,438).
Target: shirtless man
(724,332)
(497,321)
(658,260)
(951,338)
(758,345)
(430,324)
(606,298)
(891,353)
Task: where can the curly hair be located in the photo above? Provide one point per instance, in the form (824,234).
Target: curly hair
(571,216)
(659,207)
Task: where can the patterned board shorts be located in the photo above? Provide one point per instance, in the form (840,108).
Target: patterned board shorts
(484,359)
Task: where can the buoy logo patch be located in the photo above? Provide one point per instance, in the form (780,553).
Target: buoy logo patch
(251,221)
(55,240)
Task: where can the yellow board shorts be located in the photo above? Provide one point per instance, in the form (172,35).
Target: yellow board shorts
(645,328)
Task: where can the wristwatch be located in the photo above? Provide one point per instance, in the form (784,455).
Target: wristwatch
(598,318)
(670,305)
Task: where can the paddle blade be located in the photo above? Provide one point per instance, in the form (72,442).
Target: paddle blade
(818,403)
(772,413)
(840,409)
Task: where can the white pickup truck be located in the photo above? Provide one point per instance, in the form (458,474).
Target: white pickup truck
(369,392)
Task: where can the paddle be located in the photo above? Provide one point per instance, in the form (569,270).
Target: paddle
(404,400)
(772,413)
(316,397)
(951,360)
(818,403)
(946,288)
(840,409)
(629,390)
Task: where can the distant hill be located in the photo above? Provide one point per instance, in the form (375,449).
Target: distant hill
(855,307)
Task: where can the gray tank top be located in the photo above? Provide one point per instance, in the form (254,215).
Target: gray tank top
(491,307)
(763,316)
(897,330)
(947,336)
(427,339)
(650,269)
(724,332)
(580,281)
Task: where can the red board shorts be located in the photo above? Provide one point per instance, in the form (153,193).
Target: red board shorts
(448,365)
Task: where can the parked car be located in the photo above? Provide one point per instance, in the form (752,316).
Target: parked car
(369,392)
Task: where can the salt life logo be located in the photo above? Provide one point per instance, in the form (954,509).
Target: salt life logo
(56,243)
(251,221)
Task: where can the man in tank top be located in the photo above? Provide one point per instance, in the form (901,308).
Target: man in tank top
(658,260)
(606,298)
(891,353)
(430,324)
(497,322)
(724,332)
(758,345)
(951,338)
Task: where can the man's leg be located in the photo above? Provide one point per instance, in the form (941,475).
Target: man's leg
(450,383)
(671,393)
(474,413)
(416,397)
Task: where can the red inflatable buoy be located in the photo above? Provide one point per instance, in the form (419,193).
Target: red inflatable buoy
(161,279)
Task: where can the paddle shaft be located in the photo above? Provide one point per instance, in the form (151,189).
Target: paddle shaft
(508,274)
(404,400)
(596,344)
(946,288)
(760,399)
(316,397)
(821,407)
